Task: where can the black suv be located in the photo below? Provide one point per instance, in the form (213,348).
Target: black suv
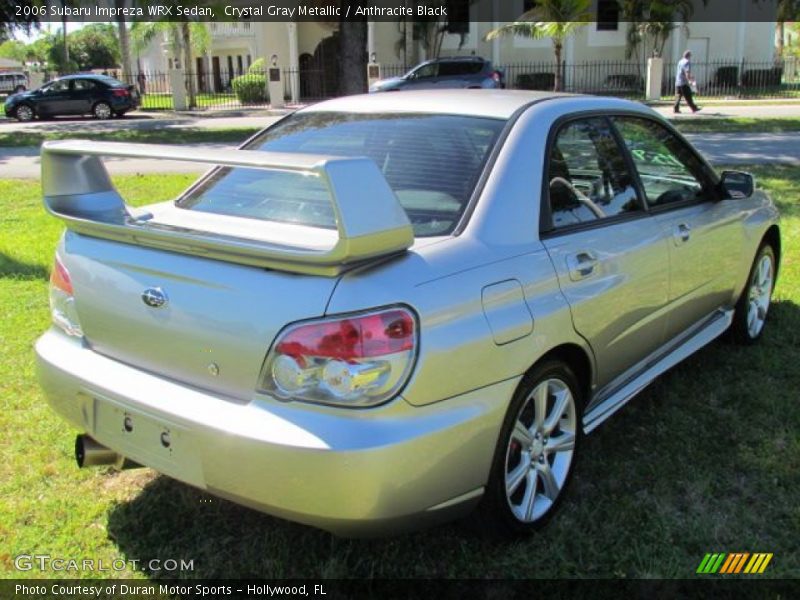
(440,73)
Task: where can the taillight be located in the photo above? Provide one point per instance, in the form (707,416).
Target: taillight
(120,92)
(59,278)
(353,360)
(62,301)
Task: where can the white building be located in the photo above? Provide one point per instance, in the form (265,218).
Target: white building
(309,50)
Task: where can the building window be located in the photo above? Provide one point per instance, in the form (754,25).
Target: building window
(230,66)
(249,61)
(607,15)
(239,64)
(528,5)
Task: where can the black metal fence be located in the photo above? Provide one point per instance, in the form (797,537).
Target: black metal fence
(715,79)
(229,89)
(740,80)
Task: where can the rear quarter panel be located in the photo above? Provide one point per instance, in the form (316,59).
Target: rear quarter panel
(451,287)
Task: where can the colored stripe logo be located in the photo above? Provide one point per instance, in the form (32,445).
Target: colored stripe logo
(734,563)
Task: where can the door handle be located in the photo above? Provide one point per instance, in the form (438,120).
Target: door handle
(581,265)
(682,233)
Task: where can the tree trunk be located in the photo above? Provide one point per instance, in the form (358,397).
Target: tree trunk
(65,67)
(781,35)
(352,57)
(124,45)
(557,83)
(186,38)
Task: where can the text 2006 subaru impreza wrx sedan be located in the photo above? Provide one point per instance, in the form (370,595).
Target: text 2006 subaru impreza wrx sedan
(384,311)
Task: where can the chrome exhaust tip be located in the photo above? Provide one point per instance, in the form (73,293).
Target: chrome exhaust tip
(91,453)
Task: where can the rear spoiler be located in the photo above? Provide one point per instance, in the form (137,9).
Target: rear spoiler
(369,219)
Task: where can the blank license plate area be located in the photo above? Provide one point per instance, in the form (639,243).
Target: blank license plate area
(153,442)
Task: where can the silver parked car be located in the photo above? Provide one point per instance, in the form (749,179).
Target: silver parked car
(468,72)
(387,310)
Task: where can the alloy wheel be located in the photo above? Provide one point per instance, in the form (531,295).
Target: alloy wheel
(540,450)
(759,295)
(102,110)
(24,113)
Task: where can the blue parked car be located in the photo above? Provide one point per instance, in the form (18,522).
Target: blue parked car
(441,73)
(98,95)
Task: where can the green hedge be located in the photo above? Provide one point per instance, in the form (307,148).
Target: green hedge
(250,88)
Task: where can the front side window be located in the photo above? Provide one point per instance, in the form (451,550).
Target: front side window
(57,87)
(425,71)
(431,162)
(588,177)
(669,171)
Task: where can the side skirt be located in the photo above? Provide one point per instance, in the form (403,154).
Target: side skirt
(620,391)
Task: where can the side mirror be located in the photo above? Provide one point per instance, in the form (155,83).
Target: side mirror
(737,184)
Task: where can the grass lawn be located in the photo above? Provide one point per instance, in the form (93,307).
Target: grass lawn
(161,101)
(166,135)
(705,460)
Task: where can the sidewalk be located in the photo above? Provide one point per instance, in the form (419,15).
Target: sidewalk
(750,108)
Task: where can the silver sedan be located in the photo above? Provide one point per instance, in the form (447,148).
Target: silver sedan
(386,311)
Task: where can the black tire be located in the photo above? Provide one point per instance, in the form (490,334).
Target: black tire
(742,330)
(24,113)
(495,515)
(102,111)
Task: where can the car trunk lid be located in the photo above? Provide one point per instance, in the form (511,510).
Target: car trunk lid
(205,322)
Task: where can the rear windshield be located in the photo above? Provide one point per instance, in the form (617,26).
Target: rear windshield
(432,162)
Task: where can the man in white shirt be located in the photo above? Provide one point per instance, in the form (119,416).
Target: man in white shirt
(683,83)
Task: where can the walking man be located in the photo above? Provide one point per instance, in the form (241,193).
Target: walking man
(683,83)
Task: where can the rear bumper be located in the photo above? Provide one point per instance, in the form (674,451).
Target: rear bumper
(352,472)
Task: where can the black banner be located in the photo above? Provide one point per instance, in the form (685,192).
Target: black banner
(327,589)
(455,11)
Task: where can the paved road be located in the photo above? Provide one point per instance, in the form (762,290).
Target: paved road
(752,148)
(24,163)
(720,148)
(147,120)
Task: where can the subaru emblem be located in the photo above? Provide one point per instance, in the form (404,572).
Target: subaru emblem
(154,297)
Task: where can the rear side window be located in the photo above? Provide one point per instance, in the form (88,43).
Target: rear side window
(81,85)
(588,177)
(459,68)
(432,163)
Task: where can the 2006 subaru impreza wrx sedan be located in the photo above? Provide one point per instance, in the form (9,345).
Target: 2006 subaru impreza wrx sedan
(385,311)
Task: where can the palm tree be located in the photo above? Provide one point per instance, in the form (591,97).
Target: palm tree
(124,42)
(554,19)
(655,22)
(183,37)
(788,10)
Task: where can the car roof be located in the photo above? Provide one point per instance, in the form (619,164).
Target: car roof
(86,76)
(459,59)
(492,103)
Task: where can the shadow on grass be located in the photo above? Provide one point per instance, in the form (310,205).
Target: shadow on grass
(168,519)
(675,473)
(11,268)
